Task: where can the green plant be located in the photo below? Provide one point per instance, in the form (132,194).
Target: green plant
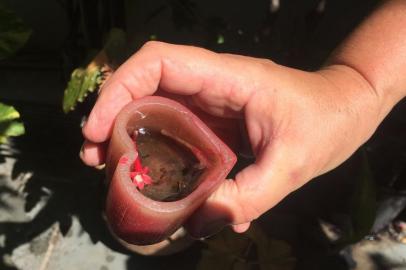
(84,81)
(363,206)
(8,125)
(251,250)
(14,33)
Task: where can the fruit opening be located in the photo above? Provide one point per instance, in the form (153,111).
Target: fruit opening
(172,167)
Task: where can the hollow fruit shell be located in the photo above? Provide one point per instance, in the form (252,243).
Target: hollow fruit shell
(134,217)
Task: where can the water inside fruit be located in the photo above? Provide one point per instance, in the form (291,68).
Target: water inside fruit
(174,169)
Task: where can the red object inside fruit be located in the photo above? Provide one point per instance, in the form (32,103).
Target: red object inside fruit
(139,174)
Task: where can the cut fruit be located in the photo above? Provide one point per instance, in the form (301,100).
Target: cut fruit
(186,162)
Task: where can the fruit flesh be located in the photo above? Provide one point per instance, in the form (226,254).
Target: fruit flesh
(174,169)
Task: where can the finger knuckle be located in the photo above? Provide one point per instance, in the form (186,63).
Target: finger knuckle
(248,211)
(265,63)
(300,172)
(152,45)
(246,206)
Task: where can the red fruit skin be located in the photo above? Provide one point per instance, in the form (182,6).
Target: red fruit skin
(134,217)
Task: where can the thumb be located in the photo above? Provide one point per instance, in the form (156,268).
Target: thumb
(254,191)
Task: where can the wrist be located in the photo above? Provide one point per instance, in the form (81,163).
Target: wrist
(358,97)
(357,85)
(388,88)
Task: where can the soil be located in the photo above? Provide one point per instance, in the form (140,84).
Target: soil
(174,169)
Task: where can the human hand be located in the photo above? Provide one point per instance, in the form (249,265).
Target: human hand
(300,124)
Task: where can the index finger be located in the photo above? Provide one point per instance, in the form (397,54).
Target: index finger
(174,68)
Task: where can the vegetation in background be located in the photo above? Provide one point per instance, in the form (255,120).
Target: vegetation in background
(251,250)
(13,35)
(13,32)
(363,205)
(85,80)
(8,125)
(82,82)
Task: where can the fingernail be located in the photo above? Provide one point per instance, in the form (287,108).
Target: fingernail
(81,150)
(211,228)
(100,167)
(83,121)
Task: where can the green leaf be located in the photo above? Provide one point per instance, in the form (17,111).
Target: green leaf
(363,205)
(82,82)
(8,113)
(229,242)
(220,39)
(9,127)
(363,202)
(272,254)
(226,250)
(253,249)
(215,261)
(86,80)
(13,32)
(276,255)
